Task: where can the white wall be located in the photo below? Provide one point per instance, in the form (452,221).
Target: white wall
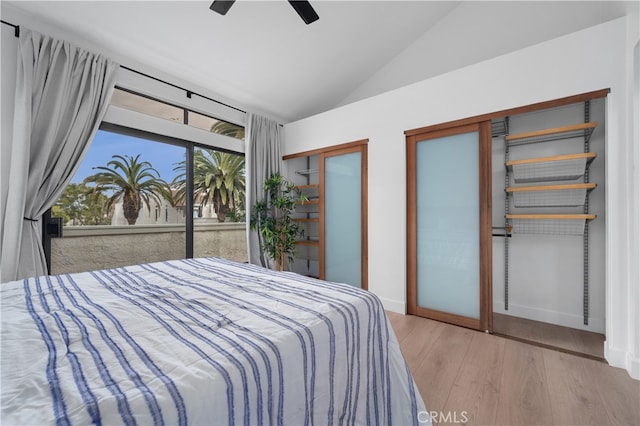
(505,26)
(588,60)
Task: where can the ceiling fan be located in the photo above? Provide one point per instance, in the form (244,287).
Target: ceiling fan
(304,9)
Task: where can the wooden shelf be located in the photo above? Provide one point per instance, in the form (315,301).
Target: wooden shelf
(551,187)
(556,133)
(310,206)
(307,250)
(311,191)
(551,216)
(586,155)
(554,168)
(311,201)
(571,195)
(311,227)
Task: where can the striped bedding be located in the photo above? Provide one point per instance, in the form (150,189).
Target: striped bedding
(199,341)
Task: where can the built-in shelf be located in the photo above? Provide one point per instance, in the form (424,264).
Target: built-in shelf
(307,249)
(534,173)
(583,130)
(310,191)
(311,227)
(306,172)
(554,168)
(570,195)
(310,206)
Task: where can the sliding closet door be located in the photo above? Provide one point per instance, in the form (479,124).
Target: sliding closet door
(449,225)
(343,212)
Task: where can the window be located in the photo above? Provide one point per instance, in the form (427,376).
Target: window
(146,105)
(189,202)
(214,125)
(156,108)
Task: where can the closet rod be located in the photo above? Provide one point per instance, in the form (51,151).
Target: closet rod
(188,92)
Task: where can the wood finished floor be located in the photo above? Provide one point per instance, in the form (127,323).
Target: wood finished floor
(563,338)
(498,381)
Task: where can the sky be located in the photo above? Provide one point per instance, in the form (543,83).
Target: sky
(163,157)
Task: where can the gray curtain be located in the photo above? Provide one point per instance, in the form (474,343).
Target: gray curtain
(262,159)
(62,94)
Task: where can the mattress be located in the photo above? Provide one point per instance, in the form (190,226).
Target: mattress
(199,341)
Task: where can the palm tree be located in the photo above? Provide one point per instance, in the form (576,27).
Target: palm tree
(228,129)
(218,178)
(132,181)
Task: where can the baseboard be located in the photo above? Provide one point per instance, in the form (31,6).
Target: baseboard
(622,359)
(394,305)
(596,325)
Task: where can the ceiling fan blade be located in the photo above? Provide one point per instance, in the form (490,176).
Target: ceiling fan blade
(305,10)
(221,6)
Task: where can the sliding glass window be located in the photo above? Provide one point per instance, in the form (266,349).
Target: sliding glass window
(141,197)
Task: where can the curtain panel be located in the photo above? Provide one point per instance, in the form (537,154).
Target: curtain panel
(262,159)
(62,94)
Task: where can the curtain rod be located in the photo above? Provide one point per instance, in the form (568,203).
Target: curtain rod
(188,92)
(16,28)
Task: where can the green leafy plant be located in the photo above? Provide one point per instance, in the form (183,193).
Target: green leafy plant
(272,219)
(79,205)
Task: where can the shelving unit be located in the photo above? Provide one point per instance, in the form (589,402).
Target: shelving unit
(308,212)
(546,169)
(550,197)
(571,195)
(553,134)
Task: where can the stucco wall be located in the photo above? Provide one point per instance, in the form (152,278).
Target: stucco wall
(100,247)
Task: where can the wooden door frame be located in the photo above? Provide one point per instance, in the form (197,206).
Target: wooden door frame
(322,153)
(485,322)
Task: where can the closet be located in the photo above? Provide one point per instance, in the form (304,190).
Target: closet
(548,168)
(334,217)
(506,216)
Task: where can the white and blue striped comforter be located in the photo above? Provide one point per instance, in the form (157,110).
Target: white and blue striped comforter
(199,341)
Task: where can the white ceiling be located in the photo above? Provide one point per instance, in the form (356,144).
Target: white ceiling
(260,56)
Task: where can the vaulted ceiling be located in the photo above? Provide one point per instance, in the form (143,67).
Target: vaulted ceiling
(261,56)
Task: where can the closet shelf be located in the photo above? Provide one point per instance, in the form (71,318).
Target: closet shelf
(555,224)
(571,195)
(306,172)
(555,168)
(311,227)
(311,191)
(307,250)
(314,243)
(312,205)
(553,134)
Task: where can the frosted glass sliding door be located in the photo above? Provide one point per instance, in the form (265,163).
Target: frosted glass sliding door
(344,216)
(445,222)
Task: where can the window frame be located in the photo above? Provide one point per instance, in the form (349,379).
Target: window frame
(140,125)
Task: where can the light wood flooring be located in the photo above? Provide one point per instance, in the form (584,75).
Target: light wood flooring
(566,339)
(498,381)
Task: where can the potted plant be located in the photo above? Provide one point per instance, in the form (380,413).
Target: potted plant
(272,219)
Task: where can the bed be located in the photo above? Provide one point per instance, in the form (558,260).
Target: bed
(199,341)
